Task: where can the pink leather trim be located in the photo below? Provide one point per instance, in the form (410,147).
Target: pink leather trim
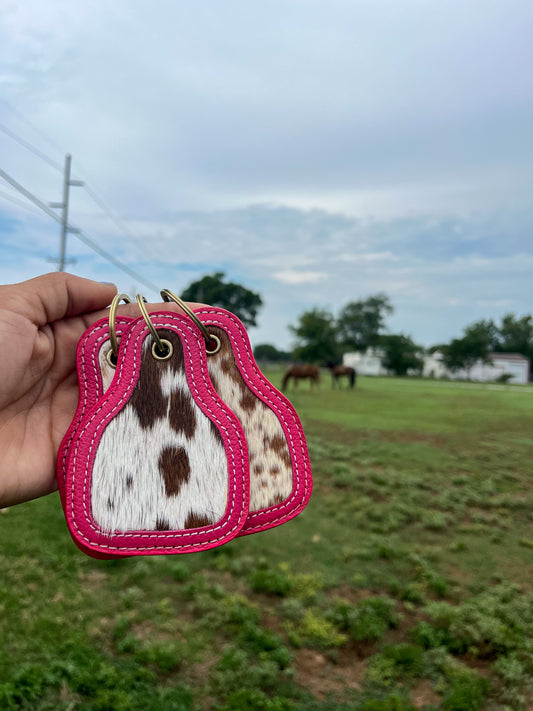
(88,432)
(286,414)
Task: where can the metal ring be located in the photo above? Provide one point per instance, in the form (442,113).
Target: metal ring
(168,295)
(112,328)
(217,347)
(160,345)
(166,344)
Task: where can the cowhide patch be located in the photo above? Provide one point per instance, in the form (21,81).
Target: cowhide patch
(271,474)
(161,463)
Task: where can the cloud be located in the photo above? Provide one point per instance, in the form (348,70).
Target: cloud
(291,276)
(317,156)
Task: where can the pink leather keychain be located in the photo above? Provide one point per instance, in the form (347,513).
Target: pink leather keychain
(277,469)
(157,463)
(280,470)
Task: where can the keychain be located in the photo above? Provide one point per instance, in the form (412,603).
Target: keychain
(179,442)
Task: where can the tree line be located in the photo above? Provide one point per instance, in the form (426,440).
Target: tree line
(320,336)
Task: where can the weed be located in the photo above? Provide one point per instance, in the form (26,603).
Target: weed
(428,636)
(494,622)
(400,661)
(314,630)
(179,571)
(292,609)
(392,702)
(237,670)
(255,700)
(271,582)
(375,616)
(465,693)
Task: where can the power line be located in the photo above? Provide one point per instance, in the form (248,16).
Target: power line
(98,200)
(16,201)
(32,126)
(30,147)
(122,227)
(83,237)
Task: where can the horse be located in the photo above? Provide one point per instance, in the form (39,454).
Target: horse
(297,372)
(339,371)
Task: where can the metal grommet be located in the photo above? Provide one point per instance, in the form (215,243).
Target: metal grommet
(167,346)
(216,340)
(111,358)
(146,317)
(113,352)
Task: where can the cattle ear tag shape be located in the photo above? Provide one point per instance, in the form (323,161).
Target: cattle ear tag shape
(157,463)
(279,466)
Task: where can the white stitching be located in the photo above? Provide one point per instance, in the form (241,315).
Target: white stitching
(108,417)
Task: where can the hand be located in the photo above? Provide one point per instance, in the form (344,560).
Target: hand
(41,322)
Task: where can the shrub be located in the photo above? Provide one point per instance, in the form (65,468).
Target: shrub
(428,636)
(375,616)
(315,630)
(271,582)
(366,621)
(466,693)
(395,662)
(237,670)
(496,621)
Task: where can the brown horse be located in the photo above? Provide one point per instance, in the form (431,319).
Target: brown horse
(339,371)
(297,372)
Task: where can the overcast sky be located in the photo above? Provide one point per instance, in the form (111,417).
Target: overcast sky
(316,152)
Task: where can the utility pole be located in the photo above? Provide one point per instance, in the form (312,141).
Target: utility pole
(67,183)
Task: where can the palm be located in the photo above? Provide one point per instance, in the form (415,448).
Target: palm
(38,396)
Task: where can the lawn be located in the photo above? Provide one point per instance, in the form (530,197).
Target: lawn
(405,584)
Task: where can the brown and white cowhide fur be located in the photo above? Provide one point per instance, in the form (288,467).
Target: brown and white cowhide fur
(161,463)
(271,475)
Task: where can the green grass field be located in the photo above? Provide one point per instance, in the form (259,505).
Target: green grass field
(405,584)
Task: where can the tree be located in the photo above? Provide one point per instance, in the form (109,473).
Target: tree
(316,336)
(479,339)
(211,289)
(516,335)
(267,352)
(360,323)
(401,354)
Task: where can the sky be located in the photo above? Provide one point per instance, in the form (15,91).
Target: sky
(317,153)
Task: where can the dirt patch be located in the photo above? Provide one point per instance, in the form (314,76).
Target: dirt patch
(321,676)
(93,579)
(423,694)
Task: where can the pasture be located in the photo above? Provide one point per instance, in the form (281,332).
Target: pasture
(406,583)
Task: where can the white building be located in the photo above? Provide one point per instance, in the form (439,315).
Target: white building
(512,364)
(368,363)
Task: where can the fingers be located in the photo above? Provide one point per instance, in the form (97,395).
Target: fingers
(57,295)
(132,310)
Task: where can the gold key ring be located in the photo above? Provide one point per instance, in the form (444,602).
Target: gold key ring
(112,354)
(168,295)
(161,348)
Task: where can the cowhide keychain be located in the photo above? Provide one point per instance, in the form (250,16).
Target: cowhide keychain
(157,463)
(280,470)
